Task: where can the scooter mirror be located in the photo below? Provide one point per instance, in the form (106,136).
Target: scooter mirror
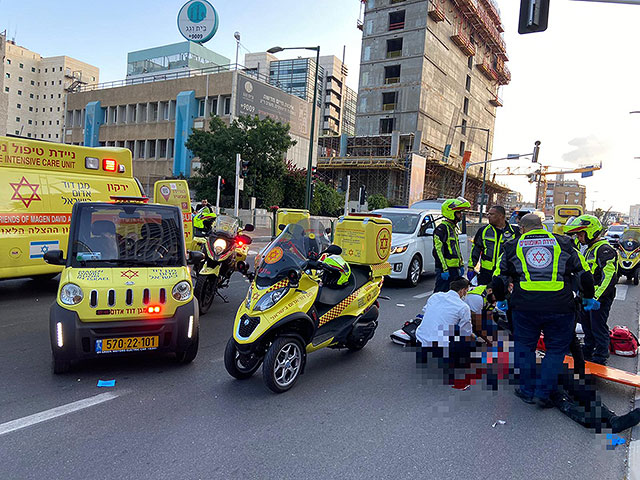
(333,250)
(294,278)
(248,228)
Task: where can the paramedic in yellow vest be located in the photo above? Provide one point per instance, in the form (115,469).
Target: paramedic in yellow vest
(541,266)
(603,264)
(488,242)
(446,247)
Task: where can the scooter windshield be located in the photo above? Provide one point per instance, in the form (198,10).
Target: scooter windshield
(630,240)
(225,225)
(287,252)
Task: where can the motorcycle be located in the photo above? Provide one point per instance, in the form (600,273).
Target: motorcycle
(225,248)
(290,310)
(629,255)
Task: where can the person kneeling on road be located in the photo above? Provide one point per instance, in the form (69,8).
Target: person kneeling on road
(445,331)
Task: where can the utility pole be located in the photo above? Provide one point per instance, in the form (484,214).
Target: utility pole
(218,196)
(346,197)
(236,202)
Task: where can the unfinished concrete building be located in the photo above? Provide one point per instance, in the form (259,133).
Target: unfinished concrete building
(430,75)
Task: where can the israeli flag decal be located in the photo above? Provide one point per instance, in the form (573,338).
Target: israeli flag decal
(38,249)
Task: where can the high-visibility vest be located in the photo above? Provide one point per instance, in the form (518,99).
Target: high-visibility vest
(609,272)
(540,262)
(450,249)
(492,242)
(482,291)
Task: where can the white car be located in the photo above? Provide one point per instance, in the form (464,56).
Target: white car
(412,242)
(614,233)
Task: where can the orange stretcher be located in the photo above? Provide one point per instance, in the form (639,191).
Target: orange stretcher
(608,373)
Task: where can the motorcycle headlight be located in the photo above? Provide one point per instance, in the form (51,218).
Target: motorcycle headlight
(181,291)
(219,245)
(399,249)
(71,294)
(270,299)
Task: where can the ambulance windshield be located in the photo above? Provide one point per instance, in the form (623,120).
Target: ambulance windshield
(127,235)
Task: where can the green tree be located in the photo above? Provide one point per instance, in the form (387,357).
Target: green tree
(326,201)
(295,186)
(377,201)
(263,143)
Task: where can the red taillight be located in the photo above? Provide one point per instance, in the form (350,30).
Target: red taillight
(153,309)
(109,165)
(240,243)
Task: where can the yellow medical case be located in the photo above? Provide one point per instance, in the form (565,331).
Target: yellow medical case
(364,238)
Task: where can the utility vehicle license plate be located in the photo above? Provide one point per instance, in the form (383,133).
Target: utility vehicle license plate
(126,344)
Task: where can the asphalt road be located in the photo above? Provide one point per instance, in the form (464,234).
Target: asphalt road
(351,415)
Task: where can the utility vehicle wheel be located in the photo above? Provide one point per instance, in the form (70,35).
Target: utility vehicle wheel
(238,365)
(188,355)
(283,364)
(60,366)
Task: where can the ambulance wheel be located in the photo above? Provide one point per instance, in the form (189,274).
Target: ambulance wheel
(60,366)
(282,364)
(188,355)
(237,366)
(205,291)
(414,271)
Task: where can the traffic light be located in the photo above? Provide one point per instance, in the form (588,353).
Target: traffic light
(222,182)
(342,187)
(536,152)
(314,174)
(245,168)
(362,194)
(534,16)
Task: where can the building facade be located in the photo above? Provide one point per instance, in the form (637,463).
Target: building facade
(428,66)
(33,90)
(634,214)
(564,192)
(152,119)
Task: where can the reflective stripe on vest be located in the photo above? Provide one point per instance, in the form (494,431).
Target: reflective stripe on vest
(451,252)
(491,251)
(540,261)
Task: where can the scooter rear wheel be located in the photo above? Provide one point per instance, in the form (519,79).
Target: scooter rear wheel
(237,366)
(283,364)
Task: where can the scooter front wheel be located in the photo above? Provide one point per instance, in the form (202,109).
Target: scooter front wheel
(205,291)
(282,364)
(237,365)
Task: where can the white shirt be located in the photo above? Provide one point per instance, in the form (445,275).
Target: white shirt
(475,302)
(441,314)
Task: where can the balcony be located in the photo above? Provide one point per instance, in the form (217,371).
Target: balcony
(487,70)
(496,101)
(396,26)
(391,80)
(389,106)
(436,11)
(394,53)
(504,75)
(462,40)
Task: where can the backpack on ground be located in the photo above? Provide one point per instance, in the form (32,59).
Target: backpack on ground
(623,342)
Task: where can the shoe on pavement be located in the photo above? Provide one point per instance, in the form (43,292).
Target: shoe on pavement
(523,396)
(543,402)
(622,422)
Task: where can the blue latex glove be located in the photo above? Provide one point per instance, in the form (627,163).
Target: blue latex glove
(590,304)
(462,271)
(471,274)
(444,275)
(502,305)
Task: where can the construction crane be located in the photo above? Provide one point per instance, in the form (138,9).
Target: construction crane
(540,176)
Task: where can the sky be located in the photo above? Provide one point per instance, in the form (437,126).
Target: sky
(572,86)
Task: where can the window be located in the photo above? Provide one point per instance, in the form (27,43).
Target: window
(465,106)
(467,85)
(57,122)
(31,95)
(49,135)
(396,1)
(33,83)
(201,105)
(59,95)
(45,84)
(8,75)
(18,106)
(394,47)
(227,106)
(464,127)
(33,69)
(6,89)
(59,82)
(29,135)
(19,79)
(17,119)
(56,135)
(8,61)
(21,65)
(60,68)
(462,145)
(19,92)
(396,20)
(392,74)
(470,63)
(30,122)
(386,125)
(389,100)
(162,148)
(17,132)
(45,71)
(51,109)
(52,95)
(50,122)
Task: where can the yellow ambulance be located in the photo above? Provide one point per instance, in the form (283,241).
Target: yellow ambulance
(39,184)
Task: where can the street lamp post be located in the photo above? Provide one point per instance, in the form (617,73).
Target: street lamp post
(307,199)
(237,37)
(484,168)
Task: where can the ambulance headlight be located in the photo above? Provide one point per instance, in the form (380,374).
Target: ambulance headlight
(181,291)
(71,294)
(219,245)
(270,299)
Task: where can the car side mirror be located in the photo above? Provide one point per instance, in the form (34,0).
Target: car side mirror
(333,250)
(54,257)
(428,232)
(194,257)
(282,226)
(327,231)
(248,228)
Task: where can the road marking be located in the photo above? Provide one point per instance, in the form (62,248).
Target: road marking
(253,252)
(423,295)
(24,422)
(621,292)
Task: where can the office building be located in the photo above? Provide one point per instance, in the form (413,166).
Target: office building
(634,214)
(33,90)
(564,192)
